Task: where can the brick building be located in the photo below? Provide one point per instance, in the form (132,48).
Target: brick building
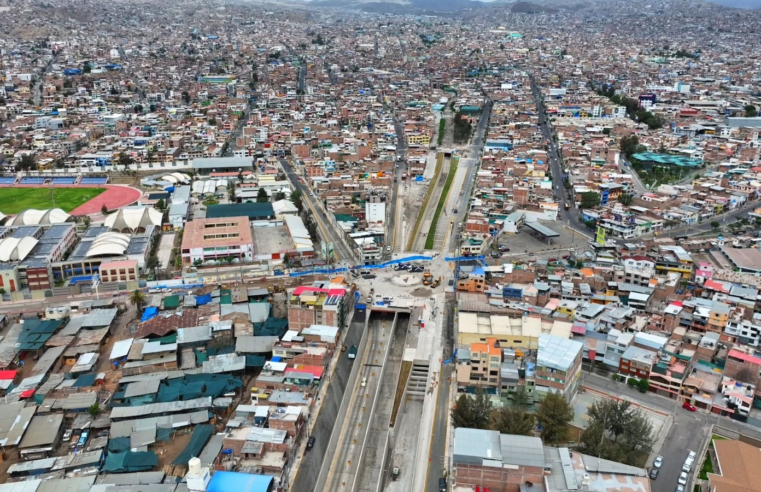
(497,462)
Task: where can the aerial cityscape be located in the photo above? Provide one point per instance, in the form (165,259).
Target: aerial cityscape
(380,245)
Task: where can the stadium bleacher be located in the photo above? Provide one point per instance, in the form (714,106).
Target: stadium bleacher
(93,181)
(7,180)
(64,180)
(32,181)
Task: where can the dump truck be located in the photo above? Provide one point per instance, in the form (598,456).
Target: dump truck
(427,278)
(353,352)
(436,282)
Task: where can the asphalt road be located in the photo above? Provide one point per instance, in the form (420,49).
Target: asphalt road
(569,217)
(310,466)
(340,250)
(472,162)
(344,464)
(400,167)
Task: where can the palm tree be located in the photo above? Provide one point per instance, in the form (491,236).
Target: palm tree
(137,299)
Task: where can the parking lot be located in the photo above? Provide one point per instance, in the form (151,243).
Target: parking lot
(526,242)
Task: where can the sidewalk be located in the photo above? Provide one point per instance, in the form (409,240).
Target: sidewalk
(429,344)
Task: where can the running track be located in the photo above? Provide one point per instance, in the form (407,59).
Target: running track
(114,197)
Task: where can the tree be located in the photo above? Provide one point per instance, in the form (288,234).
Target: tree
(590,199)
(27,162)
(472,412)
(512,420)
(715,224)
(751,111)
(125,159)
(87,68)
(616,431)
(554,414)
(104,209)
(153,264)
(521,398)
(628,145)
(297,200)
(262,197)
(625,199)
(137,298)
(643,385)
(94,409)
(280,195)
(160,205)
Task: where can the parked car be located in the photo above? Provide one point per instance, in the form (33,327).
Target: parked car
(442,485)
(552,259)
(310,443)
(67,436)
(688,406)
(83,439)
(653,473)
(682,479)
(680,488)
(658,462)
(691,455)
(565,257)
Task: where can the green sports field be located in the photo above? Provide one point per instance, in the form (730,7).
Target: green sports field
(14,200)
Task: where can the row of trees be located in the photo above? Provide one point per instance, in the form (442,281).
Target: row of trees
(633,109)
(616,430)
(462,128)
(554,414)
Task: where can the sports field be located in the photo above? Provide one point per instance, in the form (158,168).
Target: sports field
(14,200)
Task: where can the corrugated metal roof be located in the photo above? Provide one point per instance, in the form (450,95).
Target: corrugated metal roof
(141,388)
(157,408)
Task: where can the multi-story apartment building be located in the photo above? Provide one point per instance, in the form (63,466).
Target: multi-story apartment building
(558,365)
(320,305)
(485,363)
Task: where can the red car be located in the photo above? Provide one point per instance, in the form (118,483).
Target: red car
(688,406)
(552,259)
(565,257)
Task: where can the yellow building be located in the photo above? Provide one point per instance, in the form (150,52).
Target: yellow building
(511,332)
(422,139)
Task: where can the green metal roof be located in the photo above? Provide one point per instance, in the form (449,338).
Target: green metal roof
(251,210)
(674,160)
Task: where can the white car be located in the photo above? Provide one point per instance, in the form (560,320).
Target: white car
(691,456)
(682,479)
(680,488)
(364,382)
(658,462)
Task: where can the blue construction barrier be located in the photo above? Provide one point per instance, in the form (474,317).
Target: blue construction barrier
(465,258)
(392,263)
(321,271)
